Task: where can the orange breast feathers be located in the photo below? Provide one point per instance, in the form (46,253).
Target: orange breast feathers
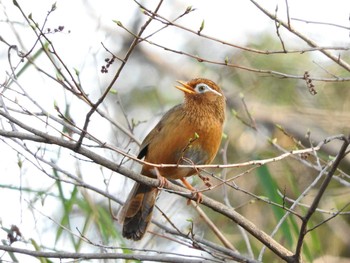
(180,139)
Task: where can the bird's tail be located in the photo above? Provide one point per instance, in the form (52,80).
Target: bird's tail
(137,211)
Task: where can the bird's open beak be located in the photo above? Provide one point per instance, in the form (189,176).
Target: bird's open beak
(185,87)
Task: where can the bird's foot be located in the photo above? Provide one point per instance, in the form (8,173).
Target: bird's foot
(163,182)
(196,194)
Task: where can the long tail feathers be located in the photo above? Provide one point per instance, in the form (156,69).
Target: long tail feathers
(137,211)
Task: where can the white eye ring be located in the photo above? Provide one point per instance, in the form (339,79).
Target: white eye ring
(202,88)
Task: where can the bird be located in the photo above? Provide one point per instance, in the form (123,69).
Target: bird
(189,133)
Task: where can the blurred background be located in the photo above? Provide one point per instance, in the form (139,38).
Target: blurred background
(272,108)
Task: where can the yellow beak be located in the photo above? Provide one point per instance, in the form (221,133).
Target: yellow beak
(185,87)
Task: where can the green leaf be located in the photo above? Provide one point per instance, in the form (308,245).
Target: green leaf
(201,27)
(270,190)
(37,248)
(11,254)
(113,91)
(32,59)
(196,136)
(67,207)
(76,71)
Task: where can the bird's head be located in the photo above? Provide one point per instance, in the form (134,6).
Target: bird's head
(203,95)
(201,89)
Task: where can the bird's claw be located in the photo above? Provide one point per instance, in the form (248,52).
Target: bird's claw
(198,196)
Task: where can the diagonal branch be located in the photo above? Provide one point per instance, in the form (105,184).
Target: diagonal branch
(230,213)
(310,42)
(94,107)
(324,185)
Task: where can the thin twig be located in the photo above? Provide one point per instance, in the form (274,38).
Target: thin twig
(266,52)
(213,227)
(133,45)
(329,218)
(277,248)
(322,189)
(330,212)
(225,63)
(100,256)
(320,23)
(277,25)
(306,39)
(288,16)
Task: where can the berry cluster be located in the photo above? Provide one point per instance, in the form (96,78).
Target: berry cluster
(309,83)
(109,62)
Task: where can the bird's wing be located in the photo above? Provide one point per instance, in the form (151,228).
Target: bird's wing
(156,130)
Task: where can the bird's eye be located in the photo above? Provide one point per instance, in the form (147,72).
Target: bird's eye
(201,88)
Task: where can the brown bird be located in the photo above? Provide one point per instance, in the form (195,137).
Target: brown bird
(189,133)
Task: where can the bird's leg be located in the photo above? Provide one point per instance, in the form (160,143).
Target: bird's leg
(194,191)
(205,179)
(162,180)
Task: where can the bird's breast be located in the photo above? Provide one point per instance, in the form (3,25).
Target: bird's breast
(183,141)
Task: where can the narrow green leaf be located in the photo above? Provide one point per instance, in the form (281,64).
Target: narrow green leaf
(67,207)
(201,27)
(32,58)
(37,248)
(270,190)
(11,254)
(76,71)
(113,91)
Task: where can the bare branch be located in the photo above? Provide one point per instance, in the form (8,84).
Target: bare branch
(216,206)
(133,45)
(323,187)
(87,256)
(321,23)
(306,39)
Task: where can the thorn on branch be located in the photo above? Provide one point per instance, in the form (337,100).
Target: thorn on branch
(309,83)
